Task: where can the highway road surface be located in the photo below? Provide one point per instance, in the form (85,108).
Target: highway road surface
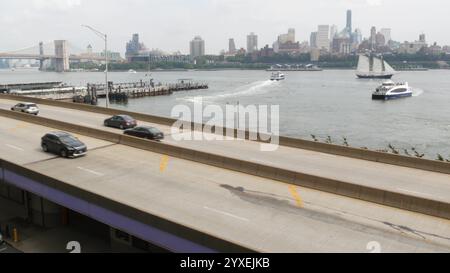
(261,214)
(414,182)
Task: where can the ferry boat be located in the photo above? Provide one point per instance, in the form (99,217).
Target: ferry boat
(371,67)
(390,90)
(277,76)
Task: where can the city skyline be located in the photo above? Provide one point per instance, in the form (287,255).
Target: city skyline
(231,17)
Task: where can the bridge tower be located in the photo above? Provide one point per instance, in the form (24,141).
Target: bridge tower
(41,53)
(62,56)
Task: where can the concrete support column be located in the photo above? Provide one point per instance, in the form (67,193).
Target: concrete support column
(44,213)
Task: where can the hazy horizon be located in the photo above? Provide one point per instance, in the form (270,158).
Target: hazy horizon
(169,25)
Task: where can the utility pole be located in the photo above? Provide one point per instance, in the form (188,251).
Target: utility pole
(105,38)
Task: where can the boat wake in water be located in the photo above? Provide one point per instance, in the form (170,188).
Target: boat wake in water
(259,87)
(417,92)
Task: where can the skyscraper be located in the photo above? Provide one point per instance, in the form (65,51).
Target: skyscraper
(386,33)
(134,47)
(313,40)
(333,31)
(197,47)
(323,40)
(373,36)
(231,46)
(357,36)
(252,42)
(349,22)
(291,35)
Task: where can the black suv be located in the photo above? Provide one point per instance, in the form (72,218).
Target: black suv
(121,121)
(63,144)
(145,132)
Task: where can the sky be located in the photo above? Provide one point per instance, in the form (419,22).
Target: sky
(170,24)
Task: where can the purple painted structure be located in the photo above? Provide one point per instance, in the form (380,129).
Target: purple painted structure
(145,232)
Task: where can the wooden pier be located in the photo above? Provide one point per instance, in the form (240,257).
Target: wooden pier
(119,92)
(125,91)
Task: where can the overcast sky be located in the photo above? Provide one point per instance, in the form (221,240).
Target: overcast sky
(171,24)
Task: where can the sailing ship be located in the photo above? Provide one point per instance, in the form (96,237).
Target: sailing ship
(371,67)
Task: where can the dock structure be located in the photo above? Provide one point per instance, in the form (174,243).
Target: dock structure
(44,90)
(117,91)
(125,91)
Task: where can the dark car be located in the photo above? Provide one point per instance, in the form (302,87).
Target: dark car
(145,132)
(63,144)
(121,121)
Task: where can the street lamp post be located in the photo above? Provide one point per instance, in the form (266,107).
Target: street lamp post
(105,38)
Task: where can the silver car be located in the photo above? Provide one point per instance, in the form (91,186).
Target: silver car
(26,107)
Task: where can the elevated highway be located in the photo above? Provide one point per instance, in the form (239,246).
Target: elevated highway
(204,208)
(226,206)
(421,183)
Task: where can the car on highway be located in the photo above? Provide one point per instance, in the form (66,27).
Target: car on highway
(63,144)
(121,122)
(26,107)
(145,132)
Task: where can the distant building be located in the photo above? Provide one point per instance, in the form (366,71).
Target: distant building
(349,22)
(446,49)
(333,32)
(241,52)
(252,43)
(373,37)
(134,47)
(266,52)
(422,38)
(313,40)
(380,39)
(286,43)
(231,46)
(341,45)
(197,47)
(315,55)
(435,49)
(89,50)
(323,40)
(289,37)
(357,37)
(112,56)
(413,47)
(387,34)
(289,47)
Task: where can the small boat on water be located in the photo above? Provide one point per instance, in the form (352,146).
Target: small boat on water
(390,90)
(371,67)
(277,76)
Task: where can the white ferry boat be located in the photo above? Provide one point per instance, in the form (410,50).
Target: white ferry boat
(390,90)
(277,76)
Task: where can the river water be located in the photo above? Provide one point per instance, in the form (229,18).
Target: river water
(329,103)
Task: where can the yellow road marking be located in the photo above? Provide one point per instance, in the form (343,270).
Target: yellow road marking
(294,193)
(164,163)
(19,126)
